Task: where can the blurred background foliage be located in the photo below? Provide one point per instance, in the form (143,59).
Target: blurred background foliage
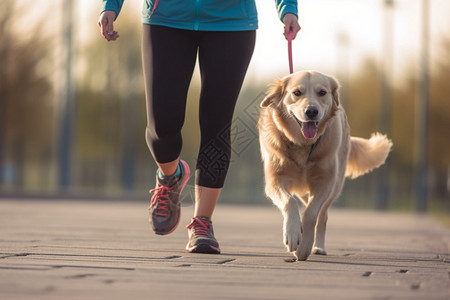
(110,157)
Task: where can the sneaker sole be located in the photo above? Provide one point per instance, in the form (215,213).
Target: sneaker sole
(186,178)
(203,248)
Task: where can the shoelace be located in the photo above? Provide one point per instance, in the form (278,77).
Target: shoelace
(161,199)
(199,227)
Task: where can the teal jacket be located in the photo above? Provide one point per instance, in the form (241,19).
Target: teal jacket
(203,15)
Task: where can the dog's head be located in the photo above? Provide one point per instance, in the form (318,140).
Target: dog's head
(307,98)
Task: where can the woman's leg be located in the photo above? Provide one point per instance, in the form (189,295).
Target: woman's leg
(168,57)
(169,168)
(205,201)
(224,58)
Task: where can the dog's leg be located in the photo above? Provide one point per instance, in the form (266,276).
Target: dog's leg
(308,224)
(319,242)
(292,225)
(314,220)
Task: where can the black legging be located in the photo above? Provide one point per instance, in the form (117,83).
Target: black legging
(169,57)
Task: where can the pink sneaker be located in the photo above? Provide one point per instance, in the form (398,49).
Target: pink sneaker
(164,210)
(201,237)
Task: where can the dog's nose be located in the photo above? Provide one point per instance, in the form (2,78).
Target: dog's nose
(311,112)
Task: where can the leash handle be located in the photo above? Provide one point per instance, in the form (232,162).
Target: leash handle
(289,38)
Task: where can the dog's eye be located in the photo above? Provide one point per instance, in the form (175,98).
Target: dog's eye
(322,93)
(297,93)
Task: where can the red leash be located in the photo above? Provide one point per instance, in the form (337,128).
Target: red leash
(154,7)
(289,38)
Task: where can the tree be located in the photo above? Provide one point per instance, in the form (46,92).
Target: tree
(25,97)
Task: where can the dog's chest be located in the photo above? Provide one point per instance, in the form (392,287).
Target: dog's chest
(299,155)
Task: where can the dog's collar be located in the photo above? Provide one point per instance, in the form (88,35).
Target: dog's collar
(313,146)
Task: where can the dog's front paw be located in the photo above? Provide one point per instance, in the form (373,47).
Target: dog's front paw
(303,251)
(292,236)
(319,251)
(292,240)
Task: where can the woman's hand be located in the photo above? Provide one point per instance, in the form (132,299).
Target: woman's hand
(105,22)
(291,24)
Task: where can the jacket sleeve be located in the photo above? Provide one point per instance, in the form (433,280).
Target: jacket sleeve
(286,6)
(115,5)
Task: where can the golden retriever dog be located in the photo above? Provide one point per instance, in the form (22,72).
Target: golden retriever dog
(307,153)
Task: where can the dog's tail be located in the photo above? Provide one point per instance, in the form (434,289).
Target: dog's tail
(366,155)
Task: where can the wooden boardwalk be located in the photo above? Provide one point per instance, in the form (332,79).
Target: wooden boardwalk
(105,250)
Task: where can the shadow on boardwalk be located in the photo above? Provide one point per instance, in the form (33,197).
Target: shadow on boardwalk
(102,250)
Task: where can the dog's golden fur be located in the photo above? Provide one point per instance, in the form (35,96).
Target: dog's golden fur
(307,152)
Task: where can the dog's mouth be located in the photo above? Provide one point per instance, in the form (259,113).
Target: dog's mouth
(309,129)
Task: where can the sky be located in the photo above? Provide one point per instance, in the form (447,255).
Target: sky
(317,46)
(362,21)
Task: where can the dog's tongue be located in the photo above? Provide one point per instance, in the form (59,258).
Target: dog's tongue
(309,129)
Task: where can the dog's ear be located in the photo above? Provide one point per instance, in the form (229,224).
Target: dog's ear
(335,90)
(275,92)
